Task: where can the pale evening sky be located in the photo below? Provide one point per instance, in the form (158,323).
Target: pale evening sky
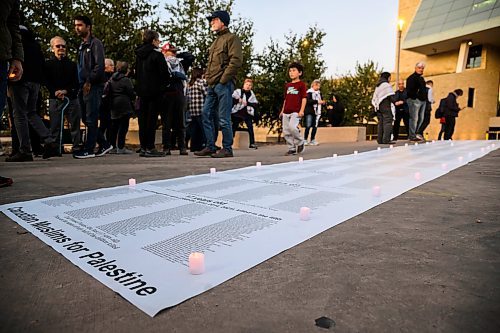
(356,30)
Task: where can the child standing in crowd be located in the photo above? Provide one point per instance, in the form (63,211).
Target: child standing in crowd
(244,104)
(293,109)
(313,112)
(196,93)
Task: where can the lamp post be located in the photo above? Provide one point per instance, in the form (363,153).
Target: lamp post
(398,50)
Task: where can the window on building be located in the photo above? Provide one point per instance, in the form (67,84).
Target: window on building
(474,56)
(470,98)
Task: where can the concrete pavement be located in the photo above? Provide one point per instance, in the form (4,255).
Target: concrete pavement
(426,261)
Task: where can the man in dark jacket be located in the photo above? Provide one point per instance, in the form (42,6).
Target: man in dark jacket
(417,96)
(61,79)
(24,98)
(451,112)
(402,112)
(91,78)
(152,80)
(224,60)
(11,51)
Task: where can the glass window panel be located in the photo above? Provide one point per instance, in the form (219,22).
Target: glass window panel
(495,13)
(474,56)
(426,4)
(453,24)
(432,21)
(431,30)
(458,4)
(412,35)
(422,15)
(477,18)
(440,10)
(458,14)
(417,25)
(482,6)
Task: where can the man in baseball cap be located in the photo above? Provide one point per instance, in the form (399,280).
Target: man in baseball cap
(225,58)
(221,15)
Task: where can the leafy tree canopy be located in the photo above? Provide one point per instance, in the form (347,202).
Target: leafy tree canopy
(117,23)
(356,92)
(188,29)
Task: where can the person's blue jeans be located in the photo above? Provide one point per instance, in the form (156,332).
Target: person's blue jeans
(218,104)
(310,123)
(90,105)
(417,112)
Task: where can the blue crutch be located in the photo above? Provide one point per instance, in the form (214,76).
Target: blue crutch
(66,103)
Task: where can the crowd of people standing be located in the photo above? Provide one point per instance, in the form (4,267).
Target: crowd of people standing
(413,105)
(193,108)
(102,97)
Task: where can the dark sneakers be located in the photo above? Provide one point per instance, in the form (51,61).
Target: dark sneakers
(253,146)
(205,152)
(50,150)
(103,150)
(183,151)
(290,153)
(222,153)
(300,148)
(153,153)
(20,157)
(4,181)
(82,154)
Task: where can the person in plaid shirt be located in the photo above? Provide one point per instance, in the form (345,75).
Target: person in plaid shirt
(196,93)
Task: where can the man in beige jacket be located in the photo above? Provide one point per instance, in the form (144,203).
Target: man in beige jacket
(224,59)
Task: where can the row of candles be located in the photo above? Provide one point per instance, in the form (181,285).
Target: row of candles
(196,260)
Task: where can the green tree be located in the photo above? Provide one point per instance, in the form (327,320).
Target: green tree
(356,92)
(306,49)
(187,27)
(271,71)
(117,23)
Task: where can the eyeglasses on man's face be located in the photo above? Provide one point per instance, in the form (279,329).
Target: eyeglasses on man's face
(60,46)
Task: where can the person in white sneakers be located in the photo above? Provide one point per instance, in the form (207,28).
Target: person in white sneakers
(244,105)
(313,112)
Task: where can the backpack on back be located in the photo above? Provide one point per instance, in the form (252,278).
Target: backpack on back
(440,110)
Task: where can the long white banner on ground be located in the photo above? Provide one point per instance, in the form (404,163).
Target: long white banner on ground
(137,239)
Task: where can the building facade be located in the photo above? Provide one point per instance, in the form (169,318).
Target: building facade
(459,41)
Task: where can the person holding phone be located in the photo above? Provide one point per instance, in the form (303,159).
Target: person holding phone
(451,112)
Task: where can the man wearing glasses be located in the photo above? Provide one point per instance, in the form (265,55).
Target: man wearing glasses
(61,79)
(417,97)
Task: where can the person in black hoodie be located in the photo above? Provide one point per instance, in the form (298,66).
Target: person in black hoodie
(122,95)
(152,80)
(335,111)
(417,97)
(451,112)
(61,79)
(24,98)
